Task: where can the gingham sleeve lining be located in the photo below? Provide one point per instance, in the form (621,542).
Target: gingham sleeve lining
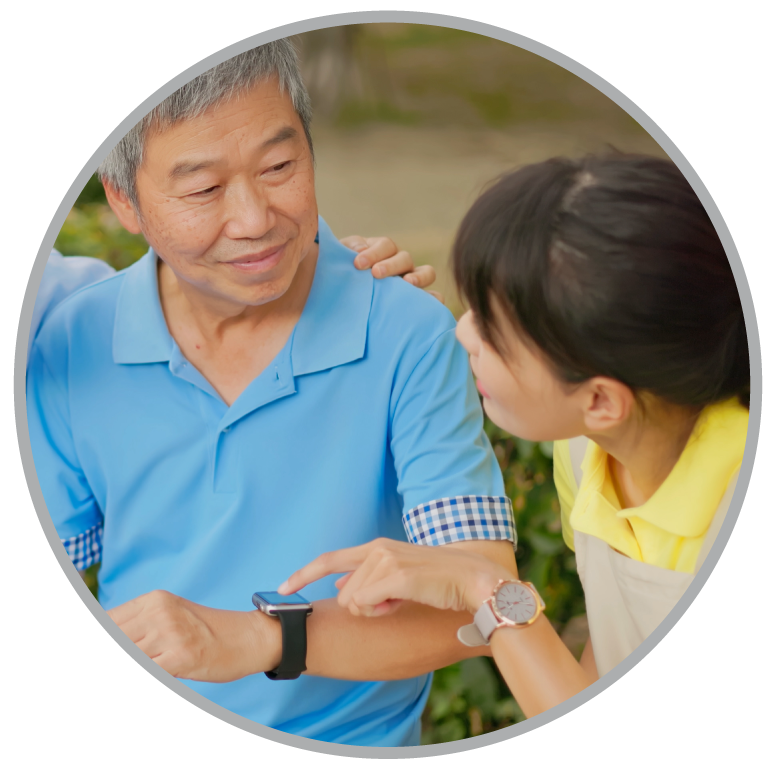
(463,518)
(85,549)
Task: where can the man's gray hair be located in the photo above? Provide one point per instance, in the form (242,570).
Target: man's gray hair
(217,85)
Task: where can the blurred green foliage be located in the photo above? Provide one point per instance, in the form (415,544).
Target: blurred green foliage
(422,74)
(92,230)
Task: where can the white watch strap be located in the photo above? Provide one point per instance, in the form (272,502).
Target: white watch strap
(470,635)
(486,621)
(480,631)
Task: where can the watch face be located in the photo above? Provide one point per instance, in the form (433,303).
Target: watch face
(516,602)
(276,599)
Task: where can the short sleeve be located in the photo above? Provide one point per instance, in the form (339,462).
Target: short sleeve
(449,479)
(69,499)
(566,485)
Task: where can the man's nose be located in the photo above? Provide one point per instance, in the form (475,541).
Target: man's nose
(248,211)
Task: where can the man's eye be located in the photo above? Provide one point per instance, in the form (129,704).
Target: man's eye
(279,167)
(207,191)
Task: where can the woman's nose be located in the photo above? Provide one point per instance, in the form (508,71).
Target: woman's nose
(466,333)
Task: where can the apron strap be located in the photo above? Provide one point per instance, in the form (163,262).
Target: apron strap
(577,449)
(716,522)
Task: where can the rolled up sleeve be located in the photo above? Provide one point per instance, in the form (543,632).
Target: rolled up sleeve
(449,479)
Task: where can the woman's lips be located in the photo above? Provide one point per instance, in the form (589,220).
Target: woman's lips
(258,263)
(482,390)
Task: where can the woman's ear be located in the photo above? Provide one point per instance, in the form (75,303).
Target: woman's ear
(123,208)
(607,403)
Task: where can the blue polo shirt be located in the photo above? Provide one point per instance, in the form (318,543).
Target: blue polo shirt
(366,424)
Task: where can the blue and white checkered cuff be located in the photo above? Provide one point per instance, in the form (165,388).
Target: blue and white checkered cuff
(463,518)
(85,549)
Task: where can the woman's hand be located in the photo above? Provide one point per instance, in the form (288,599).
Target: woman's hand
(385,259)
(383,573)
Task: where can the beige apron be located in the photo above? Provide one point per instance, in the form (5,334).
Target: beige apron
(627,599)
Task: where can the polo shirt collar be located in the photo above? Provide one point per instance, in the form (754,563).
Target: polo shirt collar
(140,333)
(685,504)
(687,500)
(331,331)
(333,327)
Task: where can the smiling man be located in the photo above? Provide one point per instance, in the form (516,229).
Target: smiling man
(241,400)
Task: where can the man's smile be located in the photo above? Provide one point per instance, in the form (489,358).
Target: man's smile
(259,262)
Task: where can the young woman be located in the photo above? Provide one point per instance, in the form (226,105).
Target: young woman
(604,316)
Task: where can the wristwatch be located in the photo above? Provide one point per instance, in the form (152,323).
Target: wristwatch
(292,611)
(513,604)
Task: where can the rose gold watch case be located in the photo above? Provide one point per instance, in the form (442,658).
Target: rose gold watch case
(505,621)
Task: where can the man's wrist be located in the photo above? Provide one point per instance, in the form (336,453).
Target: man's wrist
(265,644)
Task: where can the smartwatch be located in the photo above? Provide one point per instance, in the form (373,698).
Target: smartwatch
(292,611)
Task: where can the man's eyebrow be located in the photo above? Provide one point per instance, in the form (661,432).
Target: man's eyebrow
(186,168)
(286,133)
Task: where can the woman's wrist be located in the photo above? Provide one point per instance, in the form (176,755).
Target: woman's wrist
(484,581)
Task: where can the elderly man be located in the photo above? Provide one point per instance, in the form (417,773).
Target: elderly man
(241,400)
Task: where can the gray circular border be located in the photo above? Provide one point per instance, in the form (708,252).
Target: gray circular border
(438,20)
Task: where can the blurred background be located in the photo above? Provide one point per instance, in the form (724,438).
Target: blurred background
(411,122)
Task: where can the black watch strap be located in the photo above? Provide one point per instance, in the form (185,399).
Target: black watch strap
(293,626)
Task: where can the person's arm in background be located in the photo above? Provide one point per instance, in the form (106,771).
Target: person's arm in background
(62,277)
(384,575)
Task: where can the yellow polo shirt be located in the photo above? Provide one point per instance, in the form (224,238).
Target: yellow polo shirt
(668,530)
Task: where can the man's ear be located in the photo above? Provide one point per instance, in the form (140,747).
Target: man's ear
(123,208)
(608,403)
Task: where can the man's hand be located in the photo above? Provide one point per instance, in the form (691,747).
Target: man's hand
(196,642)
(385,259)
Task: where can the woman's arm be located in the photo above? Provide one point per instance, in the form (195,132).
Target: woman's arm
(538,667)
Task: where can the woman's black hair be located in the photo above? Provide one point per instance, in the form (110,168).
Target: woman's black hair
(612,267)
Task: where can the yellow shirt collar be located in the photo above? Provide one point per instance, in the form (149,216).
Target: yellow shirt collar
(685,503)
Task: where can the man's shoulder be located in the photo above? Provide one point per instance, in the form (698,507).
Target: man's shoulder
(403,313)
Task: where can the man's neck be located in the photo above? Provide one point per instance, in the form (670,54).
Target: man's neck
(231,343)
(214,316)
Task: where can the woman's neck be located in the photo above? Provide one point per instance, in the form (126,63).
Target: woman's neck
(644,449)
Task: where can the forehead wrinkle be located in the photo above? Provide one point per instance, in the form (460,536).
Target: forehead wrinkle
(187,168)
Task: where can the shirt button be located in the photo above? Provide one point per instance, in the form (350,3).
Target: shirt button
(227,428)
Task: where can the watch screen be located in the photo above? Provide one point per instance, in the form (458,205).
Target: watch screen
(275,598)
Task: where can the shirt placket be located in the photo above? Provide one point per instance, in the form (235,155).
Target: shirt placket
(225,423)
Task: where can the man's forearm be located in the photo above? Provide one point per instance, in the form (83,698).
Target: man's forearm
(412,641)
(192,641)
